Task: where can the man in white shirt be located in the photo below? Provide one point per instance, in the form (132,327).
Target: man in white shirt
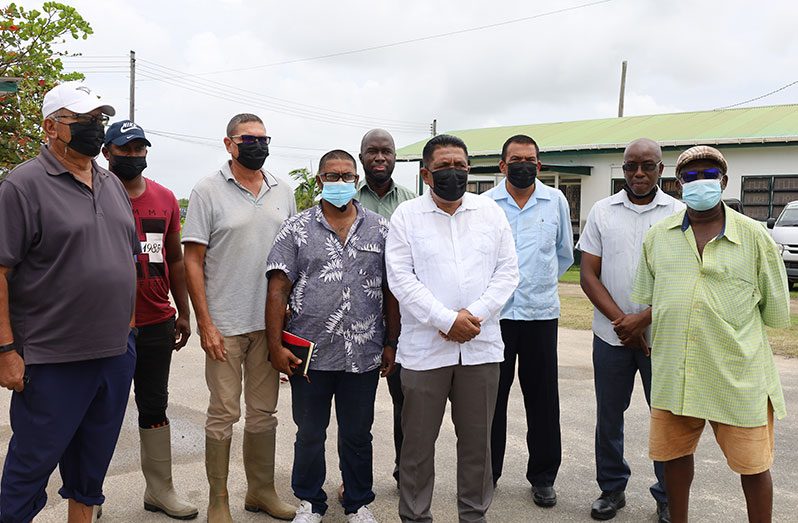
(611,244)
(451,264)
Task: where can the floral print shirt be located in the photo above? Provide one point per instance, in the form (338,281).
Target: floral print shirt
(336,298)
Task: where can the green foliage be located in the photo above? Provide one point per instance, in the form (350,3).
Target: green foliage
(27,51)
(307,190)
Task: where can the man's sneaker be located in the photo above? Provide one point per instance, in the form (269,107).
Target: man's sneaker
(305,514)
(363,515)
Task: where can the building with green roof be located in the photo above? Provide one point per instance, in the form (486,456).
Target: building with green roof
(583,158)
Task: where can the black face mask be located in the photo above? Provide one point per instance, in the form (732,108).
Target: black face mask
(450,184)
(632,196)
(86,138)
(522,174)
(252,155)
(127,167)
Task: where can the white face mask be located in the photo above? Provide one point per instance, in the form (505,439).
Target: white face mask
(702,195)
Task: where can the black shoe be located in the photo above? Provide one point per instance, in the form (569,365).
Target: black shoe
(663,514)
(607,505)
(544,496)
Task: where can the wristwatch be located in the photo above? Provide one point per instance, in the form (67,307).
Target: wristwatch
(7,347)
(394,343)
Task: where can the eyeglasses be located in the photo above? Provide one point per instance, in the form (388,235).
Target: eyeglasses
(334,177)
(249,139)
(713,173)
(85,118)
(647,167)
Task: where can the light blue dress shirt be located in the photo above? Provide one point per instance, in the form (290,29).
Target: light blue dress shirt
(544,243)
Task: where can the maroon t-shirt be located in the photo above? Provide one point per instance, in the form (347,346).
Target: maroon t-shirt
(157,214)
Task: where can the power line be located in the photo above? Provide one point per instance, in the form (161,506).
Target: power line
(218,141)
(783,87)
(247,99)
(408,41)
(165,76)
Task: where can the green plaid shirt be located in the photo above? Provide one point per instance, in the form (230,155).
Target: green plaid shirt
(710,355)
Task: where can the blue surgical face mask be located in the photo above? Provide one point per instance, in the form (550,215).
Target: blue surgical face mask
(338,193)
(701,195)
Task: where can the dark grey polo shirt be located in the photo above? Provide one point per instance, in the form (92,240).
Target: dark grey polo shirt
(73,280)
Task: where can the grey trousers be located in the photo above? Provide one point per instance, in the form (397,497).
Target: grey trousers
(472,390)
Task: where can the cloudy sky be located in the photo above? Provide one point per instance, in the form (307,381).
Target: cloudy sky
(201,62)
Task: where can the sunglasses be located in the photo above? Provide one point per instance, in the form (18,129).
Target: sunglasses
(713,173)
(646,167)
(250,139)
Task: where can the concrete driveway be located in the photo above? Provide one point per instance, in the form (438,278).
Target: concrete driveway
(716,494)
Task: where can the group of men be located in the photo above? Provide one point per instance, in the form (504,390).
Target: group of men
(441,294)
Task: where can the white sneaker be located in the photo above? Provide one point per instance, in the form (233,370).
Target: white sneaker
(305,514)
(363,515)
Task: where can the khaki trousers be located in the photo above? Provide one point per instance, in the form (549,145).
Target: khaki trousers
(247,361)
(472,391)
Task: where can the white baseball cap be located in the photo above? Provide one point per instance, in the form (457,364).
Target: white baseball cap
(76,97)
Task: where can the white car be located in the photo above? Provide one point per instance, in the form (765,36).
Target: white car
(785,234)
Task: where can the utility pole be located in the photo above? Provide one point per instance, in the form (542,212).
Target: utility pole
(132,85)
(434,127)
(623,89)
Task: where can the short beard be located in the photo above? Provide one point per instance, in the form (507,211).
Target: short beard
(379,180)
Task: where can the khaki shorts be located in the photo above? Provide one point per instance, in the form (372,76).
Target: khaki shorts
(748,450)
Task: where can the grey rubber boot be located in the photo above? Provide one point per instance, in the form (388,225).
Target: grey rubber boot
(156,464)
(259,466)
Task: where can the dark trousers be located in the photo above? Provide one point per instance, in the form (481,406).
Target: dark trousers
(534,344)
(354,410)
(614,370)
(398,399)
(154,347)
(69,415)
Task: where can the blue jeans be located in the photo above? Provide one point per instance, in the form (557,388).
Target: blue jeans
(69,415)
(615,368)
(354,410)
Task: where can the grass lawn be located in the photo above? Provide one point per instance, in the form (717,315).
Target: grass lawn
(577,313)
(571,275)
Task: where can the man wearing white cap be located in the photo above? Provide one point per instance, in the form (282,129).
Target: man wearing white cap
(67,291)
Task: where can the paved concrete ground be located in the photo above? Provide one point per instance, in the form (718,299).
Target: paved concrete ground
(716,492)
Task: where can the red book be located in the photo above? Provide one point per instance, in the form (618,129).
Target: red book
(301,348)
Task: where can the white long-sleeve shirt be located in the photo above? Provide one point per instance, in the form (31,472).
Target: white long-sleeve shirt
(438,264)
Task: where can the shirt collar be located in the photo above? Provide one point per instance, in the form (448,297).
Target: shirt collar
(541,192)
(268,178)
(365,186)
(469,203)
(730,229)
(620,197)
(54,167)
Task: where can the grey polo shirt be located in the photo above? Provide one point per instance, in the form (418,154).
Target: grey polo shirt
(238,230)
(73,281)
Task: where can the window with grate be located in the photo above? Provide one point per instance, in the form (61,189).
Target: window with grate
(765,196)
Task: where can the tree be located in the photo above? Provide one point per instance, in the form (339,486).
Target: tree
(307,190)
(27,51)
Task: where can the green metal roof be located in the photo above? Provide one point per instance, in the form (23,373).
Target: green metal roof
(773,124)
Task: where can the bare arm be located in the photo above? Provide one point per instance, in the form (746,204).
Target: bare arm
(210,337)
(12,367)
(281,358)
(177,284)
(589,274)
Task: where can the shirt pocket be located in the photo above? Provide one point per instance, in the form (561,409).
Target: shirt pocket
(733,299)
(426,248)
(547,237)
